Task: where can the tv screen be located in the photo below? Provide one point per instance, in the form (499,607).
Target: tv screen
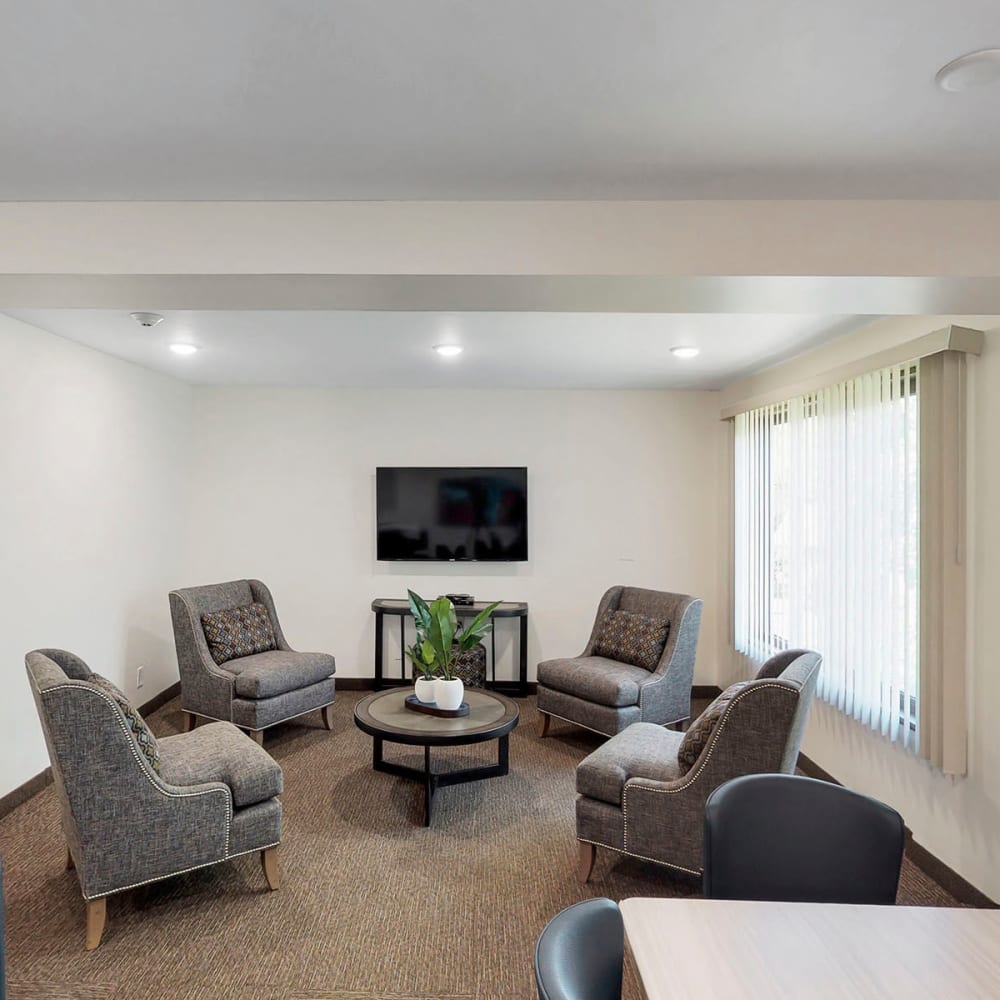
(452,515)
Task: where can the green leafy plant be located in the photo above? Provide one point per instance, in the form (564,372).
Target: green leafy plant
(440,637)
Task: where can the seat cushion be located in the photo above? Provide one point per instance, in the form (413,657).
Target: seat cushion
(279,671)
(641,751)
(631,638)
(594,678)
(220,752)
(237,632)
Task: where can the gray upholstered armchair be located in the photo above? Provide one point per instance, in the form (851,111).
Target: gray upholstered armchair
(605,694)
(256,681)
(136,809)
(643,792)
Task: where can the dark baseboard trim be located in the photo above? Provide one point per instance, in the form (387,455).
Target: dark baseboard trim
(813,770)
(705,691)
(354,683)
(159,700)
(949,879)
(931,865)
(21,794)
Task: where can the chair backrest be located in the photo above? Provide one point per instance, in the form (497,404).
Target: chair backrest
(785,837)
(800,667)
(580,952)
(760,730)
(682,611)
(188,604)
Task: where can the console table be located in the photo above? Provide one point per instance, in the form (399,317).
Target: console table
(383,606)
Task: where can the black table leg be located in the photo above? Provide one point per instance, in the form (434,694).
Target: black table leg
(378,650)
(431,781)
(523,671)
(428,787)
(402,647)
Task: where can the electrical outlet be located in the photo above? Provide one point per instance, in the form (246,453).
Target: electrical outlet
(138,678)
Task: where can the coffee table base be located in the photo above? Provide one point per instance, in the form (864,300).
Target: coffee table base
(431,781)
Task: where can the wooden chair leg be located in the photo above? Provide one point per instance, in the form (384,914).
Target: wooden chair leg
(190,721)
(543,726)
(97,911)
(70,863)
(586,853)
(269,862)
(257,735)
(328,716)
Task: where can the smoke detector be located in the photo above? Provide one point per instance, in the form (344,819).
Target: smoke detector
(974,69)
(146,320)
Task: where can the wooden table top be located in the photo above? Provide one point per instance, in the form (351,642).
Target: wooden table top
(491,716)
(730,949)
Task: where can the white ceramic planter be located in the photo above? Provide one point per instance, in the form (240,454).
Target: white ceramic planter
(448,694)
(423,688)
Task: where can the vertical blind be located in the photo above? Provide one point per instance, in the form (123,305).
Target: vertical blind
(827,541)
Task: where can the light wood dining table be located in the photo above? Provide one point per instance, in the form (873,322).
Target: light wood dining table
(730,949)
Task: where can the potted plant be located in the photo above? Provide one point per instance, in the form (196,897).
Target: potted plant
(439,640)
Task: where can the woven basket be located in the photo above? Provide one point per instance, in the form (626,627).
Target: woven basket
(470,666)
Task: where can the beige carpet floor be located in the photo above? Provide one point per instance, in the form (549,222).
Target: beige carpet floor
(372,904)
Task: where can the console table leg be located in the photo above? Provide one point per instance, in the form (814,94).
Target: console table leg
(428,787)
(493,647)
(402,647)
(378,650)
(523,671)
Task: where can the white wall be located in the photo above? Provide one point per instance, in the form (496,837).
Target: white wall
(622,489)
(957,819)
(93,511)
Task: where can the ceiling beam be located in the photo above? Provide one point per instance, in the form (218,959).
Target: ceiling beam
(884,257)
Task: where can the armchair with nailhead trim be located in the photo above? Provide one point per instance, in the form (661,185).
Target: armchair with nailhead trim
(255,691)
(643,792)
(136,809)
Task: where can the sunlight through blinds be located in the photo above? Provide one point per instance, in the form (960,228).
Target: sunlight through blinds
(827,541)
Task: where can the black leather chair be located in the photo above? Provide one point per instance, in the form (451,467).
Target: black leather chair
(784,837)
(580,952)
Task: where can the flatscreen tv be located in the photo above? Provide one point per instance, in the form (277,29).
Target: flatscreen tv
(452,514)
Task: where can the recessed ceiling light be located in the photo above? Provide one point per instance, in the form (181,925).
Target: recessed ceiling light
(448,350)
(974,69)
(685,352)
(184,349)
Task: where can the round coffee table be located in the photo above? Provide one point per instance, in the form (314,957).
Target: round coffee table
(386,719)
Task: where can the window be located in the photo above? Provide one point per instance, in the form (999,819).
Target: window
(828,541)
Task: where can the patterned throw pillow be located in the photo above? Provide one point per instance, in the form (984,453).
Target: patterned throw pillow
(238,632)
(631,638)
(700,732)
(141,733)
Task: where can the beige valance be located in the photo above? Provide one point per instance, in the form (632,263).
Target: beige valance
(950,338)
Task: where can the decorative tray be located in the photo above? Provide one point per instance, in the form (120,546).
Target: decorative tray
(432,709)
